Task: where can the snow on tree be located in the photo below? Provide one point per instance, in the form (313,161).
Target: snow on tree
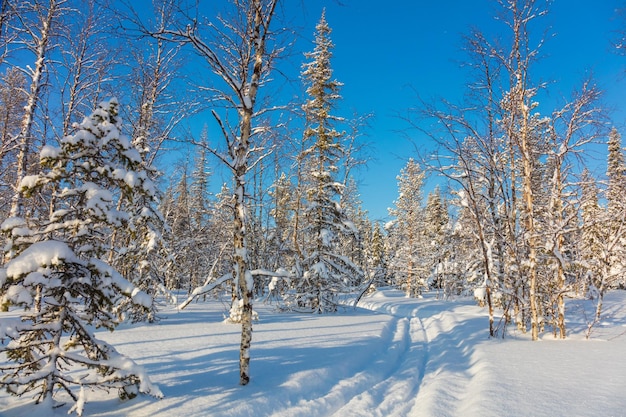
(12,101)
(57,270)
(282,214)
(616,176)
(324,270)
(436,238)
(571,128)
(613,222)
(40,22)
(592,237)
(239,47)
(408,263)
(377,256)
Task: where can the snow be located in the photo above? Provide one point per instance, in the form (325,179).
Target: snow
(49,152)
(392,356)
(40,255)
(29,181)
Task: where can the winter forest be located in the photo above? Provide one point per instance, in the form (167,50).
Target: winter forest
(115,117)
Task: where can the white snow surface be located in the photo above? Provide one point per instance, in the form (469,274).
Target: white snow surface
(391,356)
(39,256)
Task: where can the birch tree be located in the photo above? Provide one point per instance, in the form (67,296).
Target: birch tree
(12,102)
(38,22)
(572,127)
(86,61)
(239,48)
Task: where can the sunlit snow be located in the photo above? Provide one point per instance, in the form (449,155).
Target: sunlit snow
(392,356)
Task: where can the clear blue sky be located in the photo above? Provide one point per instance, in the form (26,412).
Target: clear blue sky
(385,52)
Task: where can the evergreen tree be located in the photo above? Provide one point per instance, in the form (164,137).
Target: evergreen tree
(592,238)
(616,221)
(616,175)
(282,214)
(435,230)
(377,256)
(409,262)
(324,269)
(58,271)
(181,235)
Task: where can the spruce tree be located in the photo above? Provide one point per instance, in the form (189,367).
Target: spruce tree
(616,175)
(615,217)
(592,238)
(57,270)
(407,233)
(324,269)
(435,231)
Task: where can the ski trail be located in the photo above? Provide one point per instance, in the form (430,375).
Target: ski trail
(395,395)
(381,367)
(427,379)
(426,368)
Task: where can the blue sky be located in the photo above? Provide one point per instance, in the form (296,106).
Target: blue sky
(386,52)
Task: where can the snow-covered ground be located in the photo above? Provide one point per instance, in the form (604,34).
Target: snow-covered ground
(392,356)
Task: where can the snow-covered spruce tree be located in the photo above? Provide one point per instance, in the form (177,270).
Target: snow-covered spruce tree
(375,256)
(613,222)
(57,271)
(352,245)
(407,233)
(325,271)
(138,251)
(436,234)
(616,209)
(180,236)
(282,214)
(590,258)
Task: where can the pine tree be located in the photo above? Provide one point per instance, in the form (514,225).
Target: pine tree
(592,239)
(435,230)
(324,270)
(616,175)
(282,214)
(616,210)
(180,238)
(57,270)
(408,262)
(377,256)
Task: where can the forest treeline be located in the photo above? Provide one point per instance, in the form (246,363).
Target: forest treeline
(102,221)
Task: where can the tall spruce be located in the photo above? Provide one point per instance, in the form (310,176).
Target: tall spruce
(324,269)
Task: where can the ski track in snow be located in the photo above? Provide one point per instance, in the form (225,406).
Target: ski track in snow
(421,382)
(416,376)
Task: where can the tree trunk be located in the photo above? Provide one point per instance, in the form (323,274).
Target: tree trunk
(528,199)
(36,84)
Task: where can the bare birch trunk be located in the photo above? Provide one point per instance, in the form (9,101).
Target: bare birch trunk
(240,167)
(528,198)
(41,43)
(242,69)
